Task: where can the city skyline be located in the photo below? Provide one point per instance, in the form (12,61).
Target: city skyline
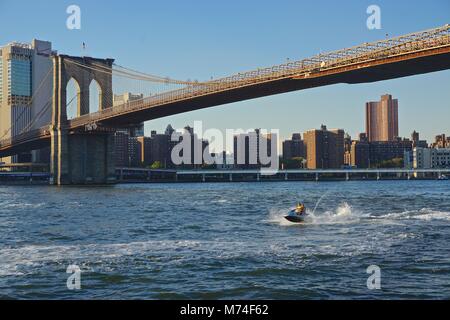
(354,137)
(301,37)
(438,140)
(224,156)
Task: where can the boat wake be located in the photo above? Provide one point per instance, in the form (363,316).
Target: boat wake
(344,213)
(425,214)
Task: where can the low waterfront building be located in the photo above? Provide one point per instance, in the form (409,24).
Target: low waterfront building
(365,154)
(408,160)
(380,151)
(429,158)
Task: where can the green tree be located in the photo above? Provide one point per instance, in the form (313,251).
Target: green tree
(156,165)
(393,163)
(293,163)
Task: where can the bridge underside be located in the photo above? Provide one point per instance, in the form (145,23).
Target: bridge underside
(35,144)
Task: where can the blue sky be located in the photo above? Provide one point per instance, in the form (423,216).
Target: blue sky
(204,38)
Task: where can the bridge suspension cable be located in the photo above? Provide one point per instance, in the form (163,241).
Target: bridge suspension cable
(132,74)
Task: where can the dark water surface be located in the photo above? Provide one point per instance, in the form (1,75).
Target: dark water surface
(226,241)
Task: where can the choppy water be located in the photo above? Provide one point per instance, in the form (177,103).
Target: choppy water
(226,241)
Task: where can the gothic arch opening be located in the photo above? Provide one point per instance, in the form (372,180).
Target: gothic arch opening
(95,96)
(72,99)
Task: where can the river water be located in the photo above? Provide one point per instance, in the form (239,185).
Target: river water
(226,241)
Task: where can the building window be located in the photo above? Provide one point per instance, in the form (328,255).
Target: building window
(19,78)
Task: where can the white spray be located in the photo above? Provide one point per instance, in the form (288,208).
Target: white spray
(319,201)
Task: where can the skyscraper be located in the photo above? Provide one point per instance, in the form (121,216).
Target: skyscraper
(25,90)
(324,148)
(382,119)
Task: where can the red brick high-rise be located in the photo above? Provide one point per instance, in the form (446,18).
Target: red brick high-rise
(382,119)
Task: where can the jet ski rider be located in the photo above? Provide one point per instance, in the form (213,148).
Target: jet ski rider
(300,209)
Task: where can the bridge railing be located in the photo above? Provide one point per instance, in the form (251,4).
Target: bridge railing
(359,54)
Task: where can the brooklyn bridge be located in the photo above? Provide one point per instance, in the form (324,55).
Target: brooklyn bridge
(82,146)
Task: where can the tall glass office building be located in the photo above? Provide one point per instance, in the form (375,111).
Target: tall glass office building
(1,80)
(22,67)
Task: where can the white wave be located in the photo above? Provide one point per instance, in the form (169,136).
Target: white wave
(422,214)
(14,260)
(22,205)
(427,214)
(342,214)
(29,259)
(407,235)
(220,201)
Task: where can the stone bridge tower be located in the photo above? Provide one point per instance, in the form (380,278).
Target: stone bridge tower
(81,156)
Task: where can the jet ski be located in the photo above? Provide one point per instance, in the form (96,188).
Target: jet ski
(294,217)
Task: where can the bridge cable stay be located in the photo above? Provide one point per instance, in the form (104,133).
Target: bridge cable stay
(40,86)
(134,83)
(69,104)
(38,116)
(41,113)
(120,72)
(133,75)
(137,82)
